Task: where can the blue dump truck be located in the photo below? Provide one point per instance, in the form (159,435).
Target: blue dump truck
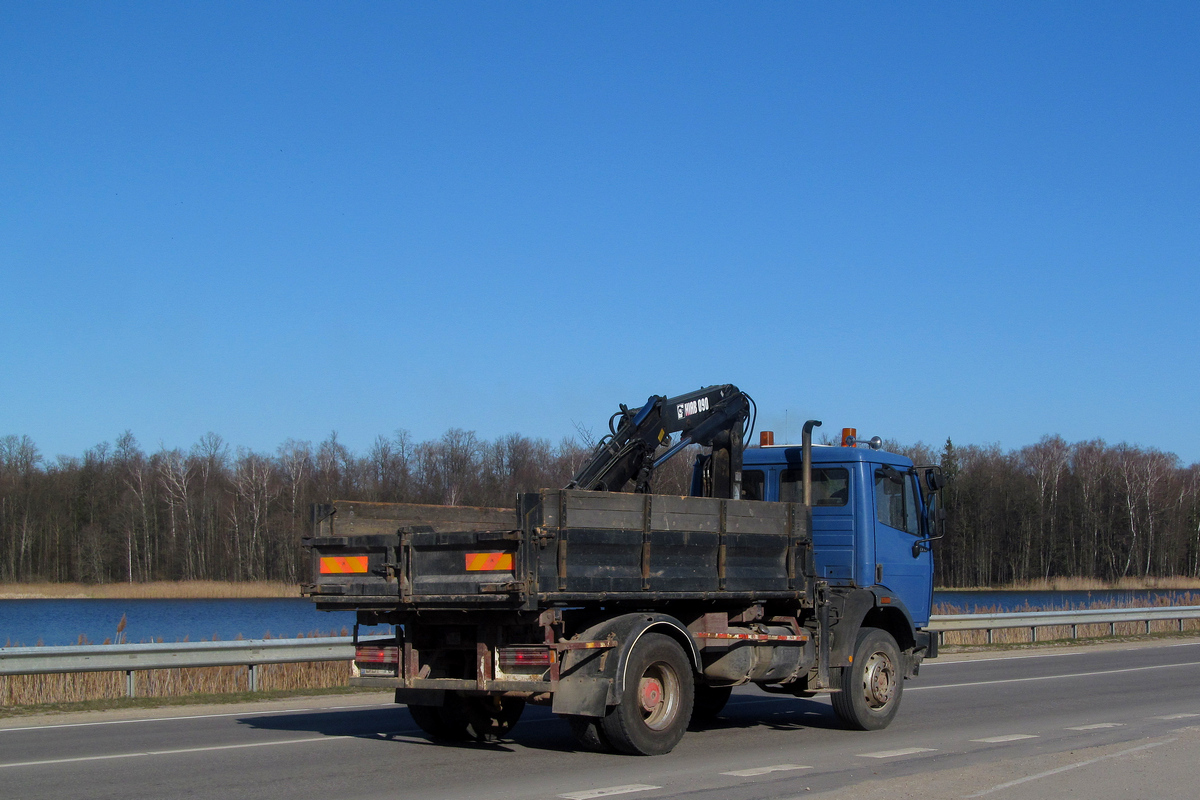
(803,569)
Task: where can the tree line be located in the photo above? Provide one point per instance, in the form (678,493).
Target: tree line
(213,512)
(1057,509)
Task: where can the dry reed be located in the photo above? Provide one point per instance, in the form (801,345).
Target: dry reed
(19,690)
(153,590)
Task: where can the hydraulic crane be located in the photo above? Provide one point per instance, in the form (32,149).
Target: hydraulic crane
(715,416)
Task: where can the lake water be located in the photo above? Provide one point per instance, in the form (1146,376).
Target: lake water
(59,622)
(980,602)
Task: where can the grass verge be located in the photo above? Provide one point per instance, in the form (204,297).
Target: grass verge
(116,703)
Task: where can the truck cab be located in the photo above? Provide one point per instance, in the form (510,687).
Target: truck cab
(871,522)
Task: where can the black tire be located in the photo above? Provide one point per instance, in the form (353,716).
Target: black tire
(656,703)
(709,701)
(870,688)
(446,723)
(484,719)
(589,732)
(490,718)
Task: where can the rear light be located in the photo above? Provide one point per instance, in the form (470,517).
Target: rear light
(525,656)
(373,654)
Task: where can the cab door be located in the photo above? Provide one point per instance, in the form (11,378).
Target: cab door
(898,526)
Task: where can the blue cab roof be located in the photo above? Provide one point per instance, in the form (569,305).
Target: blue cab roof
(791,455)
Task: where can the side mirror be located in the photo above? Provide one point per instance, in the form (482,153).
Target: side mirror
(935,480)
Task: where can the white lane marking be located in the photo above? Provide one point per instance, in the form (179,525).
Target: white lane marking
(1012,737)
(904,751)
(189,716)
(211,748)
(1049,677)
(1097,726)
(750,773)
(609,791)
(1069,767)
(1178,716)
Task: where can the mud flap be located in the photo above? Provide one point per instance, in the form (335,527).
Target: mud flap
(590,680)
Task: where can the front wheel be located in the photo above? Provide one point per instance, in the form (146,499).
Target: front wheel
(870,688)
(656,703)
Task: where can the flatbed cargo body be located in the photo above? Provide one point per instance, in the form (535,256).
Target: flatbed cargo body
(561,547)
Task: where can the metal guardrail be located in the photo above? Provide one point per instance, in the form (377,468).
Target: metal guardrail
(253,653)
(131,658)
(1041,619)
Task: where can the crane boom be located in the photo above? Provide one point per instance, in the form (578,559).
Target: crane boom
(714,416)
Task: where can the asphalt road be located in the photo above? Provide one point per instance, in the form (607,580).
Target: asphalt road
(1094,721)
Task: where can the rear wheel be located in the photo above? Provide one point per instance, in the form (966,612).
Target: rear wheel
(489,718)
(871,686)
(446,723)
(461,718)
(589,732)
(656,703)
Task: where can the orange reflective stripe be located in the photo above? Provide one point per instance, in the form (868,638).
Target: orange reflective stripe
(489,562)
(342,564)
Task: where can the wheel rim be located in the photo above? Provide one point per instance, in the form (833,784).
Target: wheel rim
(658,695)
(879,680)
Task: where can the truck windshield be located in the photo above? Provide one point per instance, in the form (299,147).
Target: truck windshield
(831,486)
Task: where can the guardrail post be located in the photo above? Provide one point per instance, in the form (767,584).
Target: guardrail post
(130,684)
(1033,634)
(1074,631)
(1181,624)
(1112,629)
(989,635)
(1147,626)
(253,677)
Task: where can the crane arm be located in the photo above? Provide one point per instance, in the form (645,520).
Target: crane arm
(714,416)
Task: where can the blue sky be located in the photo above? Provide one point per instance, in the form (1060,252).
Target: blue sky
(276,220)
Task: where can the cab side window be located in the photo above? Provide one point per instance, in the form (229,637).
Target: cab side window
(895,501)
(754,482)
(830,486)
